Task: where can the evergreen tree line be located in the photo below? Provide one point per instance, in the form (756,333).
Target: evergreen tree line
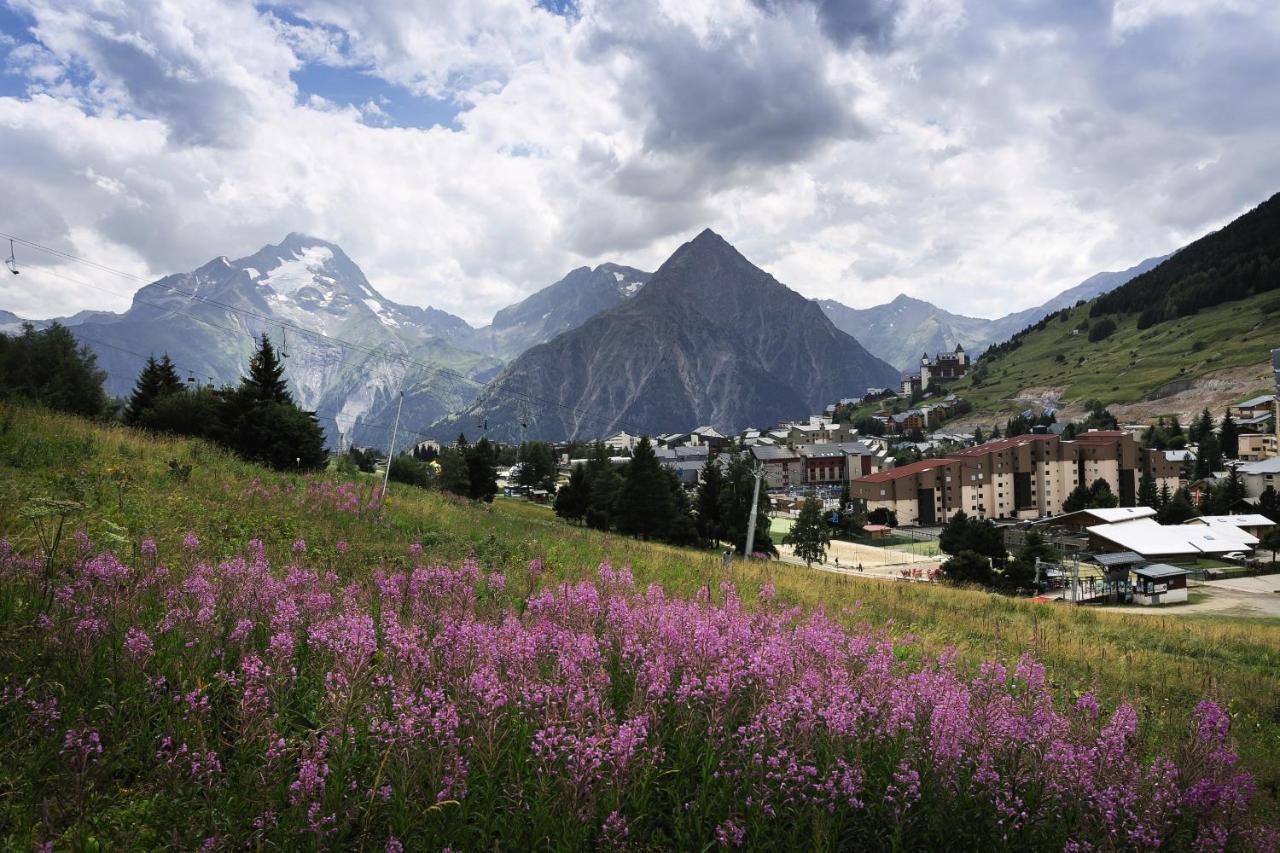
(643,498)
(977,555)
(47,367)
(466,469)
(258,418)
(1234,263)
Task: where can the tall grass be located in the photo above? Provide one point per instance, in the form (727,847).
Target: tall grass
(122,488)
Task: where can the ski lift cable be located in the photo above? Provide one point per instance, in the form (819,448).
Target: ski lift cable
(610,422)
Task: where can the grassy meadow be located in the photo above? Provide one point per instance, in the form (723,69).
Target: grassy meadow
(122,487)
(1131,363)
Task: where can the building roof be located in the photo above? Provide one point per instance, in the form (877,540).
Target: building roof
(1250,520)
(905,470)
(1144,536)
(1100,435)
(998,444)
(1120,558)
(1256,401)
(1160,570)
(771,453)
(1265,466)
(1113,514)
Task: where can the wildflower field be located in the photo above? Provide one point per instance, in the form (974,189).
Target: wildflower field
(195,653)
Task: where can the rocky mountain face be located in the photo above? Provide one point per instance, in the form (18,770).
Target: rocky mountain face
(207,321)
(710,339)
(901,330)
(558,308)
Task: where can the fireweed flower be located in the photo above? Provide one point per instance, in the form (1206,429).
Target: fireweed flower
(591,691)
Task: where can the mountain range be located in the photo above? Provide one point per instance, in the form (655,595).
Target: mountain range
(710,339)
(717,341)
(902,330)
(304,293)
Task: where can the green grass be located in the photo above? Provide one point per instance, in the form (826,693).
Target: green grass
(1131,363)
(123,483)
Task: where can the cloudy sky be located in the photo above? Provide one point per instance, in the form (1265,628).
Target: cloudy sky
(981,154)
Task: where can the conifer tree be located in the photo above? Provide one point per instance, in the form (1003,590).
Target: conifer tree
(145,391)
(707,503)
(810,535)
(266,382)
(1165,496)
(644,501)
(1148,496)
(158,379)
(1229,437)
(48,367)
(572,497)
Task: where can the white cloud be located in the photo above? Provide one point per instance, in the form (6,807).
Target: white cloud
(982,156)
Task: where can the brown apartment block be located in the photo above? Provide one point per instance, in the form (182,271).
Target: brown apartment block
(1028,476)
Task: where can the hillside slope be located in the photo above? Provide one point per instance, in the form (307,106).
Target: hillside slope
(124,490)
(901,330)
(1194,331)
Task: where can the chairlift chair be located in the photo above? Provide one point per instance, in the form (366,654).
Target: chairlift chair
(11,262)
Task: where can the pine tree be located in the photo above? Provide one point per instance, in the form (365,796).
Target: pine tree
(265,382)
(810,534)
(644,501)
(1165,496)
(1100,494)
(1148,496)
(158,379)
(1078,499)
(1269,503)
(454,476)
(571,498)
(1208,458)
(977,435)
(145,391)
(1233,490)
(1229,437)
(1201,426)
(482,470)
(49,368)
(707,503)
(1178,509)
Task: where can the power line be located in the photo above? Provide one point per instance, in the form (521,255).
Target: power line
(609,422)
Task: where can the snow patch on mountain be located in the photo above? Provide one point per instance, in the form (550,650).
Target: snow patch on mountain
(297,272)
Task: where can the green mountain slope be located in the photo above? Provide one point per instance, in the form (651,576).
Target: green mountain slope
(1195,331)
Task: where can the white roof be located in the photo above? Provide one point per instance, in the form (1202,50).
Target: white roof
(1113,514)
(1144,536)
(1265,466)
(1237,521)
(1255,402)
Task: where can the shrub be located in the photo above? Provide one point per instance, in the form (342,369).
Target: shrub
(1102,329)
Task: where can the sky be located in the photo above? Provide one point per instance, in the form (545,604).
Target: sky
(981,154)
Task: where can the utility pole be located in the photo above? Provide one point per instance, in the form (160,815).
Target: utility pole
(392,455)
(758,471)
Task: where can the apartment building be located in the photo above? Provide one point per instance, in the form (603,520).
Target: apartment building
(1027,476)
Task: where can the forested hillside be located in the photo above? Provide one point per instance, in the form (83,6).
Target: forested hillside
(1239,261)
